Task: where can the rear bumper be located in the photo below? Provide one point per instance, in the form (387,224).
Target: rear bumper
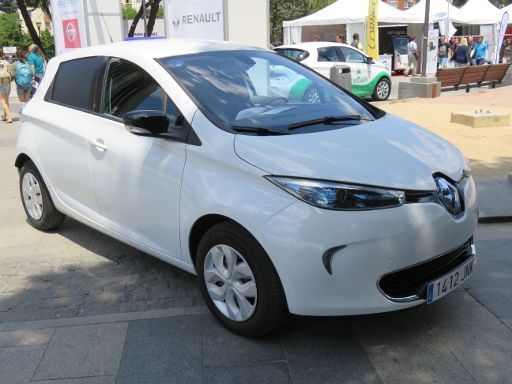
(366,246)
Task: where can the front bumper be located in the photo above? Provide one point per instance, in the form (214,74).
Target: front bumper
(366,246)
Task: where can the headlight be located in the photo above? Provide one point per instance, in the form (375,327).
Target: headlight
(332,195)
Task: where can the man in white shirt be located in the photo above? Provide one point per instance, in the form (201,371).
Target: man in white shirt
(412,56)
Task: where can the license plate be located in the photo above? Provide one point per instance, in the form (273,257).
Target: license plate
(444,285)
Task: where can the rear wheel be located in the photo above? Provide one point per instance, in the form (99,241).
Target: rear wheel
(382,89)
(239,282)
(37,202)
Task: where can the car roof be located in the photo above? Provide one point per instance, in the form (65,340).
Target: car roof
(154,48)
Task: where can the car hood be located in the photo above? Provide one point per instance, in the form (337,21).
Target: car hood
(389,152)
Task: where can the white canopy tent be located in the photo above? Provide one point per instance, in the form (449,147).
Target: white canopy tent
(352,14)
(508,9)
(440,10)
(480,12)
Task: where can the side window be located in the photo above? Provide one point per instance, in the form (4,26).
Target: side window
(129,88)
(328,54)
(352,56)
(76,82)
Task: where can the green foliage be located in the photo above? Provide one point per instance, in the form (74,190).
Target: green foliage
(129,13)
(48,44)
(9,30)
(160,14)
(281,10)
(8,6)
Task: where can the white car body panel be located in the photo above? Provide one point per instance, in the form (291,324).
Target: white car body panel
(149,193)
(362,73)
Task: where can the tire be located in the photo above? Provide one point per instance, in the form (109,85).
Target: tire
(382,90)
(269,309)
(313,95)
(41,214)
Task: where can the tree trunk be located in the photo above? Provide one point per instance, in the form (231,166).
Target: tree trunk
(46,8)
(28,22)
(131,32)
(155,6)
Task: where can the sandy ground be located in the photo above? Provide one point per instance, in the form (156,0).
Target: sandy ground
(489,149)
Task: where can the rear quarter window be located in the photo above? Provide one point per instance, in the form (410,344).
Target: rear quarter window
(293,53)
(76,82)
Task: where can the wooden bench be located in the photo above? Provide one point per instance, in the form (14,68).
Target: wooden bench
(467,76)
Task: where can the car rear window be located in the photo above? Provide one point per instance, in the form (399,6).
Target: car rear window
(293,53)
(75,83)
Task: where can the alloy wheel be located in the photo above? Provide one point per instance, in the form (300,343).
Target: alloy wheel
(383,89)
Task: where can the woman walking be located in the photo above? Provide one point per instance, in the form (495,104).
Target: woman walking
(462,54)
(24,76)
(5,87)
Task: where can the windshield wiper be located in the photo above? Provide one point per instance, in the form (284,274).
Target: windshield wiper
(259,131)
(327,120)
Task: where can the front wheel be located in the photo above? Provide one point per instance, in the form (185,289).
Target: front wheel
(239,282)
(37,202)
(382,90)
(313,95)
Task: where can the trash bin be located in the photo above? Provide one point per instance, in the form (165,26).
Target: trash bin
(340,74)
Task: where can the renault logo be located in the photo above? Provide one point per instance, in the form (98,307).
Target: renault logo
(449,195)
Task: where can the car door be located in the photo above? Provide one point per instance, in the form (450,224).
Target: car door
(63,123)
(137,179)
(360,70)
(327,58)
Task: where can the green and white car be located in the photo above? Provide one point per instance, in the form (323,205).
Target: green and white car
(370,79)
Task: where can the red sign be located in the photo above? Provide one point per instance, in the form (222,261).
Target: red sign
(71,33)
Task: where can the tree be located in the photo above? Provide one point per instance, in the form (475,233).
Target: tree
(129,13)
(9,31)
(8,6)
(22,6)
(48,44)
(154,8)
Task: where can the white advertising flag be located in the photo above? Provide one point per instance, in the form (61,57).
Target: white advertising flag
(501,37)
(69,25)
(433,39)
(197,19)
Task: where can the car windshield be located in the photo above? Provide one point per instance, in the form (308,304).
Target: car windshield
(260,90)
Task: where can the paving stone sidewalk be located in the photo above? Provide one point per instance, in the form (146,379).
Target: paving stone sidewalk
(77,307)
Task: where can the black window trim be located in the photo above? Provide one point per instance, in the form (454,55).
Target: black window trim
(97,96)
(94,93)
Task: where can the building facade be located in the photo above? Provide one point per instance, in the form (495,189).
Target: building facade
(40,20)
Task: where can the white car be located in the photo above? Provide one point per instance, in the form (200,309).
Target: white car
(369,77)
(181,149)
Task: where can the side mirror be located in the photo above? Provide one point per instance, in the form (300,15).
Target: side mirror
(146,123)
(369,60)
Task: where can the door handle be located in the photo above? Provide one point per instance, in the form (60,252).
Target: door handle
(98,144)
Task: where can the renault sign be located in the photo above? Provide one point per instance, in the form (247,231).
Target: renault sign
(201,19)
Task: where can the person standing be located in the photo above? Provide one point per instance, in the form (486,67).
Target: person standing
(37,59)
(442,52)
(462,54)
(24,75)
(341,39)
(507,51)
(5,87)
(356,42)
(454,42)
(481,49)
(412,57)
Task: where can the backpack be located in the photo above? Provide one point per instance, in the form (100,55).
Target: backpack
(5,76)
(24,75)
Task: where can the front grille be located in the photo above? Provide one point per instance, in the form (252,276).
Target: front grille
(411,281)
